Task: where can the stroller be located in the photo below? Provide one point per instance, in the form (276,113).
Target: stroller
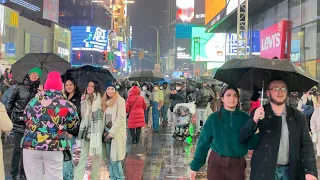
(183,114)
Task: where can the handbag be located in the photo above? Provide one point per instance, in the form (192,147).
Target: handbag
(132,107)
(106,133)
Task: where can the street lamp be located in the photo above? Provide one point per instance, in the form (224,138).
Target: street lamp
(158,53)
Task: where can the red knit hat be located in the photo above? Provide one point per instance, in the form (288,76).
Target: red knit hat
(53,81)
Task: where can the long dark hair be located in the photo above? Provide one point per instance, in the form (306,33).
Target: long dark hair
(97,88)
(223,92)
(76,90)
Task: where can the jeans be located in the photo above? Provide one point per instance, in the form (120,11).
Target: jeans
(40,164)
(282,173)
(80,169)
(155,115)
(165,113)
(146,115)
(201,117)
(115,167)
(17,158)
(135,134)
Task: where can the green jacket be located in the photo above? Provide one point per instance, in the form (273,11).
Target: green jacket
(166,96)
(221,133)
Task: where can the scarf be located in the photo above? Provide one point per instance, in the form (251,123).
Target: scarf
(91,126)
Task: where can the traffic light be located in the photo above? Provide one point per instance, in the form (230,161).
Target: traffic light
(105,55)
(130,54)
(141,55)
(78,55)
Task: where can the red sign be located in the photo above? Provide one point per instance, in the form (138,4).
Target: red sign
(273,40)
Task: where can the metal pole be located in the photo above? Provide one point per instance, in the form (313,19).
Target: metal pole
(112,15)
(158,46)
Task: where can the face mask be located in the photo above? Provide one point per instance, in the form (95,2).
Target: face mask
(156,88)
(117,87)
(178,88)
(144,88)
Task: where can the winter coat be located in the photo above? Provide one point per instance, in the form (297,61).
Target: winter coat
(180,97)
(147,95)
(204,95)
(137,104)
(264,159)
(304,99)
(118,129)
(76,100)
(166,95)
(5,125)
(123,92)
(48,118)
(315,128)
(18,100)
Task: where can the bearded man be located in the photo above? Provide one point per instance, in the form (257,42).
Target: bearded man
(285,150)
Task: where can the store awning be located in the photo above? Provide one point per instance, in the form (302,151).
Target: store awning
(227,23)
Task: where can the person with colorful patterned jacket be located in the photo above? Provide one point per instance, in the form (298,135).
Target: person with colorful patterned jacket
(51,121)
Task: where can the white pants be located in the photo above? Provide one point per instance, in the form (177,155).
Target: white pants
(201,116)
(38,164)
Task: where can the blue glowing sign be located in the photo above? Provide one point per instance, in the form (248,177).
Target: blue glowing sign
(254,42)
(89,38)
(26,5)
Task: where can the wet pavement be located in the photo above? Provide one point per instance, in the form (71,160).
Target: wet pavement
(157,156)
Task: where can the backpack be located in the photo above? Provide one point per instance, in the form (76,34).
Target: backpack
(5,96)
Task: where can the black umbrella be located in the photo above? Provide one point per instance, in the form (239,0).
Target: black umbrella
(244,73)
(146,76)
(46,61)
(86,73)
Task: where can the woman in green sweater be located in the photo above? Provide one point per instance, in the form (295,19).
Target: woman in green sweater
(221,134)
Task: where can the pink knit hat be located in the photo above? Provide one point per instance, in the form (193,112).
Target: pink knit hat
(53,81)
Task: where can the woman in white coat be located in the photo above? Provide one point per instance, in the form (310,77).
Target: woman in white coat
(315,128)
(5,125)
(114,108)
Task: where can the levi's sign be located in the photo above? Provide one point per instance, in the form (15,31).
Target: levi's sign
(272,40)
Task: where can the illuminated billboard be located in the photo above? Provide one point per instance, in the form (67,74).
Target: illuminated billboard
(185,10)
(29,8)
(89,38)
(190,11)
(51,10)
(214,10)
(212,46)
(183,48)
(232,5)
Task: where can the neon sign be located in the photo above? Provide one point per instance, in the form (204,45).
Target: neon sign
(26,5)
(89,38)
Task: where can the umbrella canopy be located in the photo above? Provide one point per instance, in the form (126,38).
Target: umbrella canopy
(146,76)
(209,80)
(86,73)
(162,82)
(177,80)
(46,61)
(244,73)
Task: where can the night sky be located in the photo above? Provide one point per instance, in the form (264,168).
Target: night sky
(145,13)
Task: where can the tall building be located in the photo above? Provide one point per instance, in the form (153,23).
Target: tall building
(84,13)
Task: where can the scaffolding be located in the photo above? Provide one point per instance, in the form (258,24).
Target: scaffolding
(242,29)
(196,56)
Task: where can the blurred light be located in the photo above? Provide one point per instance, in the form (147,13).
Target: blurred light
(97,1)
(128,2)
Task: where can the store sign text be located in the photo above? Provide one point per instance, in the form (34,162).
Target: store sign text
(63,51)
(273,39)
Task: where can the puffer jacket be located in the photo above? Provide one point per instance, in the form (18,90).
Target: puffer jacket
(48,118)
(137,104)
(18,100)
(204,95)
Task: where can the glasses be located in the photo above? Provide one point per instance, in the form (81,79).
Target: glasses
(278,89)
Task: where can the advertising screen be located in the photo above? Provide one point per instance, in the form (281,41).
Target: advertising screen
(232,5)
(190,11)
(51,10)
(89,38)
(183,47)
(253,43)
(185,11)
(28,7)
(212,46)
(62,42)
(213,8)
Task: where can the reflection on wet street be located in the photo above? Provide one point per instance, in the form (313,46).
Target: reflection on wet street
(157,156)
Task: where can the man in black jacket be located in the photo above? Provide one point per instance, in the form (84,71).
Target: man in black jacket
(204,96)
(285,150)
(17,102)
